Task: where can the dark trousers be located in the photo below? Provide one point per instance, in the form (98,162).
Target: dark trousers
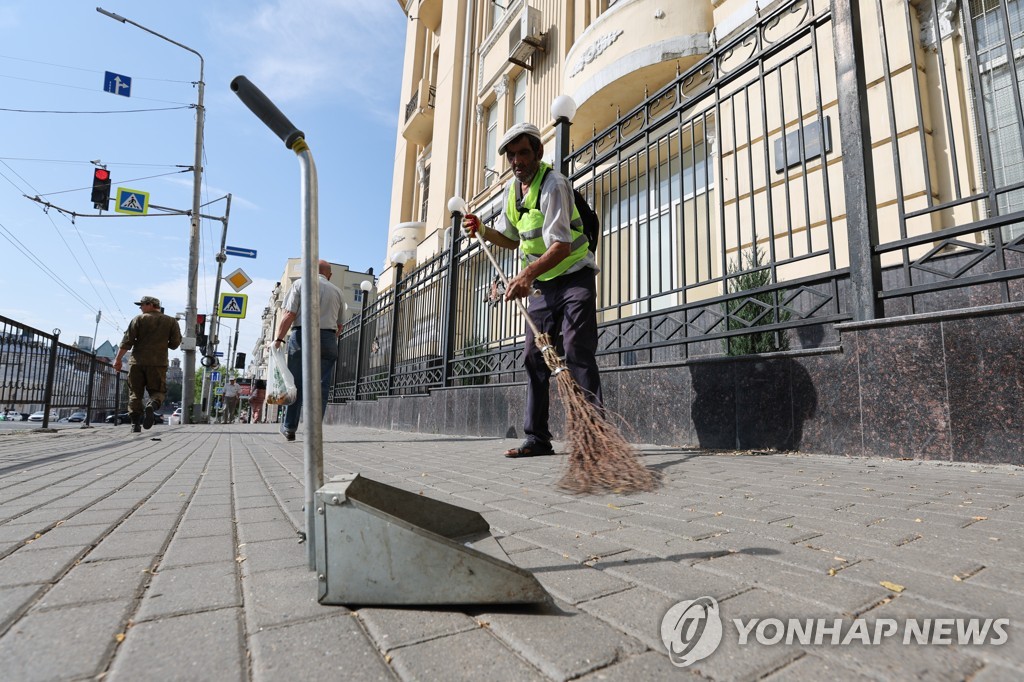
(328,359)
(566,310)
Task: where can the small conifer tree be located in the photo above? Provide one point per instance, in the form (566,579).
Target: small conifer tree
(754,277)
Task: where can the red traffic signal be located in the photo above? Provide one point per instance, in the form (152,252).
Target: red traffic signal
(100,188)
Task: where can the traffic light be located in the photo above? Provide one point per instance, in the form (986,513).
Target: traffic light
(201,331)
(239,360)
(101,188)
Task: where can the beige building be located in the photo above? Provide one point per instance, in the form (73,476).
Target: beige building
(350,282)
(836,203)
(740,171)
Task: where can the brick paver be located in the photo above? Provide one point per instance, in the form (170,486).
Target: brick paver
(175,554)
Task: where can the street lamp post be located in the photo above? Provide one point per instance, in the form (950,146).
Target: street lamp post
(92,373)
(563,109)
(189,347)
(366,285)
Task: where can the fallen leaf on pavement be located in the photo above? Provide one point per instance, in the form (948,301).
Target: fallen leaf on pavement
(891,586)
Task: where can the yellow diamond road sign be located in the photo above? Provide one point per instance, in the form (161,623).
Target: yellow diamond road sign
(233,305)
(238,279)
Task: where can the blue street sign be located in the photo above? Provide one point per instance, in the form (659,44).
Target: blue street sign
(214,376)
(117,84)
(219,354)
(131,201)
(239,251)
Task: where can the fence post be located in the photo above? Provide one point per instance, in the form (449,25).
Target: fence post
(120,393)
(51,372)
(394,329)
(88,392)
(359,349)
(858,166)
(451,302)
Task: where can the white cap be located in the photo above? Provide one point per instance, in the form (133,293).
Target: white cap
(517,130)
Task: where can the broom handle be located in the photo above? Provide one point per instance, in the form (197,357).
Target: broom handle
(504,279)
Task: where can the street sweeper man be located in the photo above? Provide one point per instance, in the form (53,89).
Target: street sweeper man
(541,220)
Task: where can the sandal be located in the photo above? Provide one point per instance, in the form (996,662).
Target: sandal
(530,448)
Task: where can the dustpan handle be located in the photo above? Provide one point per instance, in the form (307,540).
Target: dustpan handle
(266,111)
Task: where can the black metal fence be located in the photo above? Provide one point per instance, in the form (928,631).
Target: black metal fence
(757,200)
(40,374)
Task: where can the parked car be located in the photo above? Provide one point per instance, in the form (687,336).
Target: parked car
(125,418)
(13,416)
(175,417)
(38,416)
(77,417)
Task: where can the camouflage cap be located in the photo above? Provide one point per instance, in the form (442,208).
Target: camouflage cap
(150,300)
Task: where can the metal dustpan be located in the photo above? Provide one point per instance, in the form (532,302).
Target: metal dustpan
(380,545)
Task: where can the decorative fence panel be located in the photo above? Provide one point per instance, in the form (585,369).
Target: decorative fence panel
(38,373)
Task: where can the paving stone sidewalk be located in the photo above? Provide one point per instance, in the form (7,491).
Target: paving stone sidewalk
(173,554)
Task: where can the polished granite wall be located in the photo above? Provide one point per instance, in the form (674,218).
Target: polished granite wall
(944,386)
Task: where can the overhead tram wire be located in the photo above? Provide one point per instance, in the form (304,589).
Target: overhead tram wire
(116,111)
(70,250)
(35,260)
(119,164)
(79,68)
(180,105)
(121,182)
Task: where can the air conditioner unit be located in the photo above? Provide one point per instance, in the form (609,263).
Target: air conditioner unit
(525,38)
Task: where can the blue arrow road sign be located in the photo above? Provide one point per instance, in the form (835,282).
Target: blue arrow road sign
(239,251)
(219,353)
(214,376)
(117,84)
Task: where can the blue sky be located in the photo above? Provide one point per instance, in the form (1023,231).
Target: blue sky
(332,66)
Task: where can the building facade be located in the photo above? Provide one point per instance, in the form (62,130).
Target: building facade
(789,193)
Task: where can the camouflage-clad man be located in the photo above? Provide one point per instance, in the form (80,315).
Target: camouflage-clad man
(149,336)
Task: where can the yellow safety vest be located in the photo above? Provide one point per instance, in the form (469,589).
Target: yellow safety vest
(530,225)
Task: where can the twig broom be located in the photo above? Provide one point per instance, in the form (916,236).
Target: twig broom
(600,458)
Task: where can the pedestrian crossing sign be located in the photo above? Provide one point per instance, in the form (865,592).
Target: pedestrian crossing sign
(233,305)
(132,201)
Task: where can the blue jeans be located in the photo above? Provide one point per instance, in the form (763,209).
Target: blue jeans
(328,359)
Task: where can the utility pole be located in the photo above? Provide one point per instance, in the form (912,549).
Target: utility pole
(208,351)
(92,373)
(189,344)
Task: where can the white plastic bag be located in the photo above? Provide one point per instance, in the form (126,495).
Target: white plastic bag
(280,382)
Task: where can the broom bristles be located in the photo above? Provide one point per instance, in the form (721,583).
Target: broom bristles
(600,458)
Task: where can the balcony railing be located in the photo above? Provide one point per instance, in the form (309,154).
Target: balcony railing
(414,103)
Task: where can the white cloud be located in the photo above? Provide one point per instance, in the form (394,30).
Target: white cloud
(317,48)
